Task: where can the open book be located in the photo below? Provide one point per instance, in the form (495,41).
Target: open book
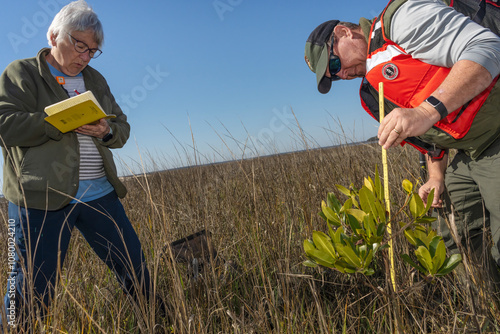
(74,112)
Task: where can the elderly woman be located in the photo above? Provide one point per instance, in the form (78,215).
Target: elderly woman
(57,181)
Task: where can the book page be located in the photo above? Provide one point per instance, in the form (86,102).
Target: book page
(70,102)
(74,112)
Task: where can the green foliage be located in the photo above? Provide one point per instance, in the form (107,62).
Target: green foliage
(362,213)
(431,251)
(364,216)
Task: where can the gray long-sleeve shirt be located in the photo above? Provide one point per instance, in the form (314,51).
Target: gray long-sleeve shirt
(444,37)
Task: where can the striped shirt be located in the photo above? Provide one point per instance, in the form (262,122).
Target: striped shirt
(91,165)
(93,181)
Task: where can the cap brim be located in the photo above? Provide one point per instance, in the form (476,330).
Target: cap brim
(324,83)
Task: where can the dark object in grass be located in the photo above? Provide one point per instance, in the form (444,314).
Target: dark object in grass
(194,246)
(195,250)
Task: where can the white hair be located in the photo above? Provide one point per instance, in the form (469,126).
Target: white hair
(75,16)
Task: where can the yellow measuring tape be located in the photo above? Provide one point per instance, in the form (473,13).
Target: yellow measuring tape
(386,187)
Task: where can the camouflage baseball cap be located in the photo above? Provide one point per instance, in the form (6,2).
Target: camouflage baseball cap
(316,53)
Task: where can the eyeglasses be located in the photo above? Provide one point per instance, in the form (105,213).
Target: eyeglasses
(334,65)
(82,47)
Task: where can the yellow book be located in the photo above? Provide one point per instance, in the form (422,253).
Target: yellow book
(74,112)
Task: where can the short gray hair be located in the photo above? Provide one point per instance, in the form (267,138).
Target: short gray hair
(350,25)
(76,16)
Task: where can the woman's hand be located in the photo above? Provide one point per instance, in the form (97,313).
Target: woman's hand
(98,129)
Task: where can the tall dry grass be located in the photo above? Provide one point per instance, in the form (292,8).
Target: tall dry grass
(258,212)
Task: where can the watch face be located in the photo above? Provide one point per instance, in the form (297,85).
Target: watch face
(438,105)
(107,137)
(432,100)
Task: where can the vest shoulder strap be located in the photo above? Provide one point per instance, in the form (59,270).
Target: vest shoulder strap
(391,8)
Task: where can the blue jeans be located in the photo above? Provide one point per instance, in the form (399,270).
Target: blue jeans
(43,238)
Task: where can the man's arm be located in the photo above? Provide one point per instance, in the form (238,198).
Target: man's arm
(437,34)
(465,80)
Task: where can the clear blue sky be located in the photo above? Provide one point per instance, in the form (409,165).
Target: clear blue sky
(227,72)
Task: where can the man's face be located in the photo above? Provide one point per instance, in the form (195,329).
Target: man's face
(351,47)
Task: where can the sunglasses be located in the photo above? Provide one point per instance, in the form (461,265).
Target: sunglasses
(334,65)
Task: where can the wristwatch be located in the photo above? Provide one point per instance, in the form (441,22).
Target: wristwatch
(108,136)
(438,105)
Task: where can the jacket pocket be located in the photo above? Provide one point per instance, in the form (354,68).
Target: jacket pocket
(53,164)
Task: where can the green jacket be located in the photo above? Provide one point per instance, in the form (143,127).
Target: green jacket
(41,164)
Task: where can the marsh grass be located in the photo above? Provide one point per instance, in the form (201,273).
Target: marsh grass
(258,212)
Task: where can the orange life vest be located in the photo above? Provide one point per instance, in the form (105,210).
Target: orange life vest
(407,83)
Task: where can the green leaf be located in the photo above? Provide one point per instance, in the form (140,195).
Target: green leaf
(354,223)
(430,198)
(369,184)
(322,215)
(362,251)
(408,260)
(381,230)
(440,255)
(422,243)
(330,214)
(424,257)
(347,205)
(359,215)
(323,243)
(416,206)
(368,259)
(367,201)
(340,267)
(369,272)
(310,263)
(380,210)
(423,237)
(349,255)
(343,190)
(421,206)
(332,202)
(369,225)
(354,202)
(425,220)
(407,186)
(338,237)
(433,245)
(331,232)
(410,236)
(451,263)
(344,267)
(321,258)
(384,246)
(308,245)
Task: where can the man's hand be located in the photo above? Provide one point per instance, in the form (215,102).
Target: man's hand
(438,186)
(403,123)
(98,130)
(436,170)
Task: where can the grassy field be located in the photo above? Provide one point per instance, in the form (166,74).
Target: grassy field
(258,212)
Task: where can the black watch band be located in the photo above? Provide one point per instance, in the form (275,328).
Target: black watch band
(438,105)
(107,137)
